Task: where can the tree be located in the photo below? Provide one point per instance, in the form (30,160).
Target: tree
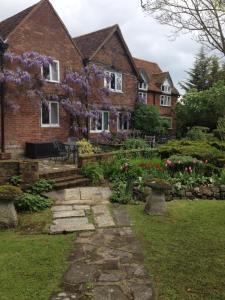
(201,108)
(147,119)
(205,19)
(199,74)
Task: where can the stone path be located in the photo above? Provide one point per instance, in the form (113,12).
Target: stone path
(107,262)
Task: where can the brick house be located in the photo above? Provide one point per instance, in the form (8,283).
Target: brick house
(107,49)
(157,88)
(39,28)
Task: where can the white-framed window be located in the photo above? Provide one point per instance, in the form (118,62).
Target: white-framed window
(114,81)
(165,100)
(143,86)
(50,114)
(100,122)
(170,121)
(123,121)
(166,88)
(51,73)
(143,97)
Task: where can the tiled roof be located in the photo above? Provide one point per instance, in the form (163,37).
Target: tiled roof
(8,25)
(156,75)
(90,42)
(149,67)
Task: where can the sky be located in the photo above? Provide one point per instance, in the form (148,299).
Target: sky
(145,38)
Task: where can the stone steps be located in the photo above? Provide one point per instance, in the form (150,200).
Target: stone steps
(67,179)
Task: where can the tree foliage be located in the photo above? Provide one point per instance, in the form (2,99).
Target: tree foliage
(205,72)
(205,19)
(202,108)
(147,119)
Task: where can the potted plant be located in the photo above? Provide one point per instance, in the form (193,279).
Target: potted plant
(155,196)
(8,195)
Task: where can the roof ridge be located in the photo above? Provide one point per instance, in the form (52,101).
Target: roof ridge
(105,28)
(10,23)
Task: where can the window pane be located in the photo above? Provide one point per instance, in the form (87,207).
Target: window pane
(120,121)
(45,114)
(106,120)
(99,122)
(119,82)
(54,68)
(54,113)
(46,72)
(107,80)
(113,81)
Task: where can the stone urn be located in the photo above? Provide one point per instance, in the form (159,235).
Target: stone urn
(8,216)
(155,197)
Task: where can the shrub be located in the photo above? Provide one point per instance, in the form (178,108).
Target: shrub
(94,172)
(221,128)
(147,119)
(202,150)
(41,186)
(10,193)
(33,203)
(15,180)
(121,194)
(196,134)
(131,144)
(222,177)
(84,147)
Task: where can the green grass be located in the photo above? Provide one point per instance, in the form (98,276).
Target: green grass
(185,250)
(31,262)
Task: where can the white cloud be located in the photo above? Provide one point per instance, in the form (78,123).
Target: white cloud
(145,38)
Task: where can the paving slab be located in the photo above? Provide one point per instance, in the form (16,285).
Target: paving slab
(81,207)
(71,221)
(55,229)
(68,214)
(102,216)
(62,208)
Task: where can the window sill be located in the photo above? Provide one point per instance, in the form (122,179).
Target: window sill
(50,126)
(51,81)
(99,131)
(165,105)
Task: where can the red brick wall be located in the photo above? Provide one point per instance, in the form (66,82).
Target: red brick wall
(154,99)
(113,56)
(41,32)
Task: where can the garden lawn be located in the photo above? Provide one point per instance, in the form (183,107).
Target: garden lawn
(185,250)
(31,265)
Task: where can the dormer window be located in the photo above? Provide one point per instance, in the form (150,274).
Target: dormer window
(143,86)
(166,89)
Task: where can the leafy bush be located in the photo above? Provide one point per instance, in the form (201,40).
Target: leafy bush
(147,119)
(184,180)
(84,147)
(10,193)
(202,150)
(196,134)
(33,203)
(15,180)
(41,186)
(121,194)
(94,172)
(221,128)
(222,177)
(131,144)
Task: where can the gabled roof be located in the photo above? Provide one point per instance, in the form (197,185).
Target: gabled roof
(90,44)
(155,74)
(8,25)
(149,67)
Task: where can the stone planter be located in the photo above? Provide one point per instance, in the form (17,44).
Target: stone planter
(155,197)
(8,195)
(8,215)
